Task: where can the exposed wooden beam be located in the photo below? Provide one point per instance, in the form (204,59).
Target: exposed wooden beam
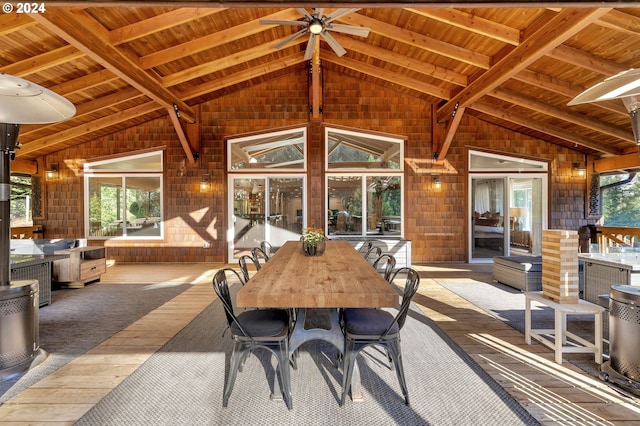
(316,85)
(42,62)
(88,36)
(419,40)
(619,163)
(243,76)
(184,141)
(63,136)
(452,128)
(387,75)
(403,61)
(10,22)
(211,41)
(554,131)
(562,114)
(29,167)
(159,23)
(564,25)
(210,67)
(469,22)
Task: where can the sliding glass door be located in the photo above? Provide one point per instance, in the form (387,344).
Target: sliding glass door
(508,206)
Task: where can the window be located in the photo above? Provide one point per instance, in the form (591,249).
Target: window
(267,184)
(368,199)
(123,197)
(21,201)
(282,150)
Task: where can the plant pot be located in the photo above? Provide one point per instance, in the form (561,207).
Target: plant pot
(313,250)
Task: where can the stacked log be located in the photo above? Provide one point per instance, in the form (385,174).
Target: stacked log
(560,266)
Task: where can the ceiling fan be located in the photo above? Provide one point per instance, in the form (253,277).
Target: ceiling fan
(318,25)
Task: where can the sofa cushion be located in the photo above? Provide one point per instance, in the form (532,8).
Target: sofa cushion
(524,263)
(51,246)
(41,246)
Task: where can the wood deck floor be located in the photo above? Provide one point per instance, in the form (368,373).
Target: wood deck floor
(552,393)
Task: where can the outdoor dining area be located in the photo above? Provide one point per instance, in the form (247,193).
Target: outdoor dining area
(337,284)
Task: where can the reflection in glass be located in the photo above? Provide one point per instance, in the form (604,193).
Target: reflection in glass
(487,224)
(344,215)
(275,150)
(384,205)
(276,218)
(355,150)
(124,206)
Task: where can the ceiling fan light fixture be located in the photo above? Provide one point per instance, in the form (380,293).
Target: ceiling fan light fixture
(316,26)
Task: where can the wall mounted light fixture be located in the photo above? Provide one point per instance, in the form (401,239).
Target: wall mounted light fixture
(52,172)
(436,183)
(579,170)
(205,184)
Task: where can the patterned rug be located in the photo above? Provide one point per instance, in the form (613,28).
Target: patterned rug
(79,319)
(182,385)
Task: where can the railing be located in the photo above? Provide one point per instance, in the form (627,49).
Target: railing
(609,236)
(28,232)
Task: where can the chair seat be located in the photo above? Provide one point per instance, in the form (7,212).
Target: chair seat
(368,322)
(262,322)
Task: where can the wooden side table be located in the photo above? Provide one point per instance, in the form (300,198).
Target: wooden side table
(557,338)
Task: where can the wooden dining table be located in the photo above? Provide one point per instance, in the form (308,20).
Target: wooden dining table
(339,278)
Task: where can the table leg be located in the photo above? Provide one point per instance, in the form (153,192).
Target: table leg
(598,337)
(356,384)
(559,337)
(300,334)
(527,320)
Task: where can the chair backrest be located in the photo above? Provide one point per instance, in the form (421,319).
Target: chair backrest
(267,248)
(386,260)
(373,253)
(221,287)
(258,253)
(411,285)
(242,262)
(365,247)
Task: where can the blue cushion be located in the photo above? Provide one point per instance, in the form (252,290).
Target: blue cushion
(50,246)
(368,321)
(262,322)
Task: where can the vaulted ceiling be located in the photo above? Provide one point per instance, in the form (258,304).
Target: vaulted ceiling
(517,67)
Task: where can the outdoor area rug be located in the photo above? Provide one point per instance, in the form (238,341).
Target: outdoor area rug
(79,319)
(508,304)
(182,384)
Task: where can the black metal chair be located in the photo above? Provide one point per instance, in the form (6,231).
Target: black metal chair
(242,262)
(267,248)
(365,247)
(260,328)
(388,261)
(373,253)
(367,326)
(258,253)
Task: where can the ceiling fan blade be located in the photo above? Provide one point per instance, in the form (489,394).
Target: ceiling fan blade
(289,39)
(308,53)
(318,12)
(333,43)
(304,13)
(349,29)
(339,13)
(282,22)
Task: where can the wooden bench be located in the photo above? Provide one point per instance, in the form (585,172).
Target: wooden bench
(558,338)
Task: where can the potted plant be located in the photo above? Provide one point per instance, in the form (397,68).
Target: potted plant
(313,241)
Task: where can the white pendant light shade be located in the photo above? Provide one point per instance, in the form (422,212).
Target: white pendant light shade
(621,85)
(23,102)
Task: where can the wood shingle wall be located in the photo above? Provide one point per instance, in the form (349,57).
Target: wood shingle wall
(434,221)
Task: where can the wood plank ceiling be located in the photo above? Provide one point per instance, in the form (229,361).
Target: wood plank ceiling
(516,67)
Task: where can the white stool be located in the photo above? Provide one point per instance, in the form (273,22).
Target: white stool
(559,332)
